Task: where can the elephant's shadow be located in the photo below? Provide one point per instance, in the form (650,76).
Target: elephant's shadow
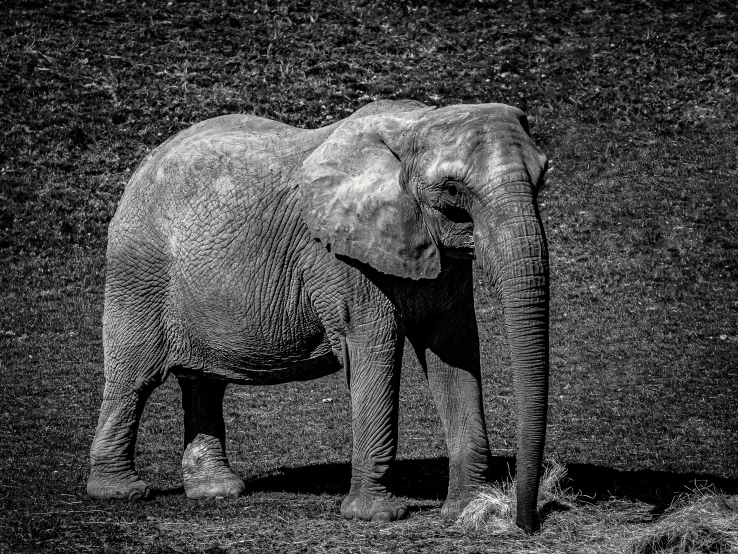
(427,479)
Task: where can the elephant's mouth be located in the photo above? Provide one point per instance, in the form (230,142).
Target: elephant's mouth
(460,252)
(458,243)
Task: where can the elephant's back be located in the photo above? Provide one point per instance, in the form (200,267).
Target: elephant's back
(181,166)
(211,223)
(196,197)
(220,168)
(250,151)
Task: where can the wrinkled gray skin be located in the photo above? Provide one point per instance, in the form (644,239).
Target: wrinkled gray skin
(248,251)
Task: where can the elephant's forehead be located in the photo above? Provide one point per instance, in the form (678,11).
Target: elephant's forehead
(476,114)
(444,164)
(465,132)
(477,109)
(460,149)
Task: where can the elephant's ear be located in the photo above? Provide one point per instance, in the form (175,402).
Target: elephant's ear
(536,162)
(354,203)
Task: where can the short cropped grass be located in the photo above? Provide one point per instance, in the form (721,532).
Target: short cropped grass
(634,102)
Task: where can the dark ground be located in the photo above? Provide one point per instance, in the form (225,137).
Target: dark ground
(635,103)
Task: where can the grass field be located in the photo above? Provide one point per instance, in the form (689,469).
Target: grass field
(635,103)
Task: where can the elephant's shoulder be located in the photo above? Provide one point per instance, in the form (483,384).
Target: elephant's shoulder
(387,107)
(221,133)
(208,146)
(236,130)
(240,123)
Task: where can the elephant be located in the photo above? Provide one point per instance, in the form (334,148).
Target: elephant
(245,250)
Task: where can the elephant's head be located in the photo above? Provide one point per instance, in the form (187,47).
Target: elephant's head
(403,192)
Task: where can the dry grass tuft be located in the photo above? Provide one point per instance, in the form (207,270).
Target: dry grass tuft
(701,522)
(494,507)
(550,489)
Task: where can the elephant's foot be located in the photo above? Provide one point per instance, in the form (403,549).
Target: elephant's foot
(206,472)
(220,484)
(466,480)
(373,507)
(128,487)
(454,505)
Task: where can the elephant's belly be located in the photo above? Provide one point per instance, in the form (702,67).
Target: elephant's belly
(239,306)
(246,359)
(269,339)
(300,370)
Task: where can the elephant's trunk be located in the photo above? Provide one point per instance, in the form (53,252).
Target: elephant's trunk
(512,249)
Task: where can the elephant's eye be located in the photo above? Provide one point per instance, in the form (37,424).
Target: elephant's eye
(450,187)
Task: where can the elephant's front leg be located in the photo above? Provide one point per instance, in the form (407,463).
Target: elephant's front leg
(448,350)
(205,469)
(374,380)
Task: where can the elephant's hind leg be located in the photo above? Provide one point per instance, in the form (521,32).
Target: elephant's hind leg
(205,469)
(134,367)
